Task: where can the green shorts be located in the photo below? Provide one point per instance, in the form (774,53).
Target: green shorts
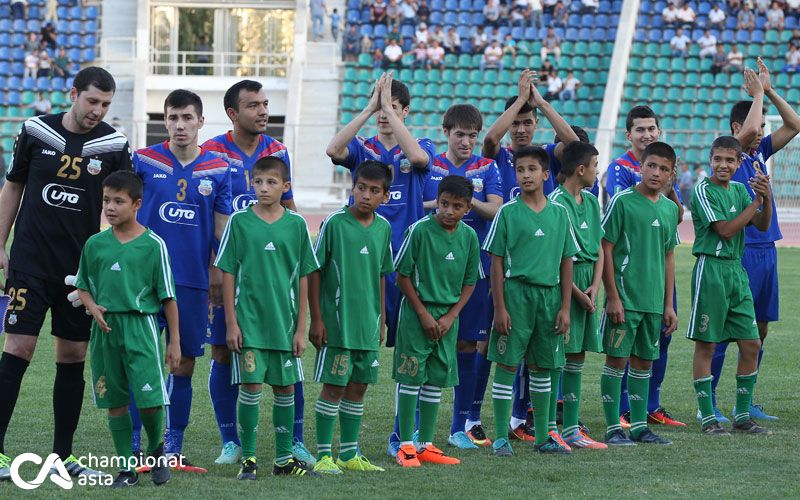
(722,305)
(419,360)
(638,336)
(584,328)
(266,366)
(339,366)
(533,310)
(127,357)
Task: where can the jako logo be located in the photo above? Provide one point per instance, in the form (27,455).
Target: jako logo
(178,213)
(243,201)
(60,196)
(59,476)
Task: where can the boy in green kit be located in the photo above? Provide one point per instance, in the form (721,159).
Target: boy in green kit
(123,279)
(346,298)
(265,254)
(579,166)
(722,305)
(438,265)
(532,244)
(639,276)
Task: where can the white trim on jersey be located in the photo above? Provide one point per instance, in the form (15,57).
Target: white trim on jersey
(45,133)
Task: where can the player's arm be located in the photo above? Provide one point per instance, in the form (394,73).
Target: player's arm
(173,358)
(791,121)
(560,125)
(94,309)
(337,149)
(762,218)
(565,275)
(317,334)
(428,323)
(299,340)
(498,130)
(233,336)
(419,159)
(614,309)
(670,318)
(597,278)
(487,209)
(501,321)
(752,124)
(10,199)
(751,214)
(383,310)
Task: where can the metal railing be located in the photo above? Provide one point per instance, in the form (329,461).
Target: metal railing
(203,63)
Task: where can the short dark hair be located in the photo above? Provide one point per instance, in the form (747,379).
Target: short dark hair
(94,76)
(269,163)
(534,152)
(574,154)
(739,112)
(465,116)
(181,98)
(639,112)
(583,136)
(124,180)
(526,108)
(455,185)
(661,149)
(374,171)
(727,142)
(231,99)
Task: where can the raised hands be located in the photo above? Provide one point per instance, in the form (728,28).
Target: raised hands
(752,83)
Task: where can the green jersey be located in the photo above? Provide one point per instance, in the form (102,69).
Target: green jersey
(710,203)
(132,277)
(267,261)
(532,245)
(642,232)
(439,262)
(586,222)
(352,260)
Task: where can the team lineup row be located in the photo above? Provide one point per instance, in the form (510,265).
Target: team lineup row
(546,251)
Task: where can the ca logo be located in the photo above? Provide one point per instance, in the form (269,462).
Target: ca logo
(60,476)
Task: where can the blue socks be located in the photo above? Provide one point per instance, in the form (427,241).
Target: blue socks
(624,403)
(299,407)
(464,391)
(136,437)
(224,396)
(180,397)
(522,393)
(657,375)
(482,368)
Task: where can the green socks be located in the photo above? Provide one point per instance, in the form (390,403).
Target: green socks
(502,400)
(702,387)
(571,388)
(638,388)
(350,413)
(744,396)
(248,421)
(429,399)
(540,389)
(122,431)
(283,421)
(555,381)
(153,424)
(610,388)
(326,421)
(406,411)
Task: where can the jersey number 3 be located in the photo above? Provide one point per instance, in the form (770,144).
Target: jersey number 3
(182,185)
(70,167)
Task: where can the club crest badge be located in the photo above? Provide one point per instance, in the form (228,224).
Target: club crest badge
(95,166)
(205,187)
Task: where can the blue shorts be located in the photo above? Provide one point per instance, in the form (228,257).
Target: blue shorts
(215,332)
(193,315)
(475,319)
(392,298)
(761,264)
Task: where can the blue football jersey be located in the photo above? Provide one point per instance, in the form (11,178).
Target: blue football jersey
(624,173)
(179,203)
(242,192)
(752,163)
(406,193)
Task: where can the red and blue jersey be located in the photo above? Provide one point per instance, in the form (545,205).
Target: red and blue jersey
(406,193)
(624,173)
(242,192)
(752,163)
(179,203)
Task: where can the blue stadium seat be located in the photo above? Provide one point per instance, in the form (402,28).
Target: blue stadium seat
(790,23)
(451,18)
(57,83)
(28,83)
(616,6)
(478,5)
(62,26)
(574,22)
(704,8)
(19,25)
(645,8)
(17,69)
(599,34)
(5,25)
(353,16)
(573,34)
(75,26)
(730,22)
(640,36)
(436,18)
(43,83)
(761,22)
(76,12)
(466,45)
(758,35)
(605,6)
(451,5)
(408,45)
(437,5)
(407,30)
(351,5)
(5,68)
(463,31)
(743,36)
(63,12)
(380,43)
(728,36)
(12,98)
(5,41)
(74,54)
(477,19)
(465,5)
(380,30)
(601,20)
(585,34)
(464,18)
(517,33)
(17,39)
(91,12)
(17,54)
(90,41)
(61,39)
(654,36)
(34,25)
(530,33)
(75,40)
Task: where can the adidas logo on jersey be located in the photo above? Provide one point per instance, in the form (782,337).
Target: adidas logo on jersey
(607,398)
(364,251)
(634,397)
(115,267)
(146,388)
(656,223)
(270,246)
(281,429)
(375,364)
(702,394)
(732,210)
(450,256)
(584,225)
(539,232)
(570,397)
(742,390)
(288,363)
(159,176)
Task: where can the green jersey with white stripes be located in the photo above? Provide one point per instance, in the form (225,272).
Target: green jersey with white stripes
(352,260)
(439,262)
(586,221)
(642,232)
(267,260)
(710,203)
(132,277)
(532,244)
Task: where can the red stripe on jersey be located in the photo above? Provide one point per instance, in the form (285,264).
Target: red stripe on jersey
(151,153)
(210,164)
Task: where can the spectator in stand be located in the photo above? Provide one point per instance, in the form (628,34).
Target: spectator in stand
(393,15)
(746,20)
(492,56)
(550,5)
(19,9)
(41,106)
(687,16)
(685,185)
(761,7)
(735,60)
(420,56)
(366,44)
(519,15)
(351,45)
(336,22)
(716,18)
(435,56)
(318,11)
(544,70)
(491,13)
(377,59)
(570,88)
(554,85)
(551,44)
(537,11)
(423,11)
(44,65)
(393,56)
(377,12)
(793,8)
(589,6)
(408,12)
(775,18)
(422,34)
(509,46)
(670,15)
(479,40)
(452,42)
(719,61)
(734,6)
(51,11)
(707,44)
(394,34)
(680,44)
(32,43)
(61,64)
(49,36)
(31,65)
(560,14)
(792,60)
(437,35)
